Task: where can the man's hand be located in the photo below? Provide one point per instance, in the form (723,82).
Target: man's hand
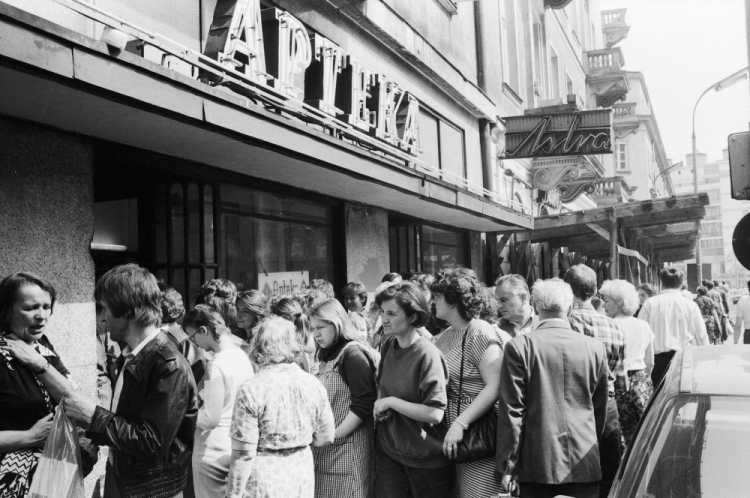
(79,408)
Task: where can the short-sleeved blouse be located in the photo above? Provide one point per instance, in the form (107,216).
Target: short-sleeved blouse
(707,305)
(281,407)
(480,336)
(20,395)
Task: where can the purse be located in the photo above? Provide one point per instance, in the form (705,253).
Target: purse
(480,438)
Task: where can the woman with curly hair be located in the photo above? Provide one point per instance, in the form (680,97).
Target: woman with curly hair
(473,351)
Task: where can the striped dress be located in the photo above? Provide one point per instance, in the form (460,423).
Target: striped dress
(473,479)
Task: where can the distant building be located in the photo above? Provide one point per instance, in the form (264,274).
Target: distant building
(722,215)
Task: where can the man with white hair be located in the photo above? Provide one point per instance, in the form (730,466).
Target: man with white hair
(514,307)
(553,403)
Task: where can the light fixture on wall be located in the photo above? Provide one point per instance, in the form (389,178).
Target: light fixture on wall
(114,38)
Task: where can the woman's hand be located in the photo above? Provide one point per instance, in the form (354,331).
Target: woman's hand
(26,354)
(454,436)
(39,431)
(382,409)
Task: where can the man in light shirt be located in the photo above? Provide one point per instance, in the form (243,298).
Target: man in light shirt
(516,315)
(677,322)
(742,319)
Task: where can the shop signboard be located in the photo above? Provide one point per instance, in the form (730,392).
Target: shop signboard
(284,282)
(271,48)
(561,134)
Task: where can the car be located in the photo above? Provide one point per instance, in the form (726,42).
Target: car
(694,437)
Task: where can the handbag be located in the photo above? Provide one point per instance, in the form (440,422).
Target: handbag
(480,438)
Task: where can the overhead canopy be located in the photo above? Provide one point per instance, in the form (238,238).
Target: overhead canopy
(647,232)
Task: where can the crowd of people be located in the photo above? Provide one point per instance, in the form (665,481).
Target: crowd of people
(248,395)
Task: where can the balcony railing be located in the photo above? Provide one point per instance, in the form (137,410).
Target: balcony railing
(624,111)
(613,190)
(607,60)
(614,17)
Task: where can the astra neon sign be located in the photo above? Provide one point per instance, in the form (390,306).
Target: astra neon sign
(569,134)
(273,49)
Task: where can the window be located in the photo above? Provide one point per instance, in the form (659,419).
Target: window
(622,156)
(540,69)
(511,71)
(714,196)
(418,248)
(265,233)
(554,65)
(569,84)
(711,169)
(441,145)
(711,229)
(712,179)
(713,213)
(710,243)
(185,243)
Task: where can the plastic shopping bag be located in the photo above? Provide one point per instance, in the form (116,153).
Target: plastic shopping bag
(59,472)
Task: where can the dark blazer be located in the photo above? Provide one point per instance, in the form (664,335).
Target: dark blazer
(553,405)
(151,435)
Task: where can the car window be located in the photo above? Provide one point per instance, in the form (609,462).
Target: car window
(692,448)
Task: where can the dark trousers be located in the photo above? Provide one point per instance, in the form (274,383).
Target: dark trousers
(396,480)
(746,337)
(572,489)
(661,363)
(610,450)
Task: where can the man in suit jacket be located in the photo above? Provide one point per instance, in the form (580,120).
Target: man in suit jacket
(553,403)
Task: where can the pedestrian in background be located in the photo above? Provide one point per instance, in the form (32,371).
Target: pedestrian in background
(473,352)
(278,414)
(677,322)
(742,319)
(586,320)
(710,313)
(347,371)
(620,302)
(553,403)
(289,309)
(645,291)
(411,402)
(172,313)
(354,295)
(227,371)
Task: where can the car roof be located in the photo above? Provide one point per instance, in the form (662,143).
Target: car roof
(721,370)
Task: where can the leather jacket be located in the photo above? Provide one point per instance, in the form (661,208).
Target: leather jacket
(151,434)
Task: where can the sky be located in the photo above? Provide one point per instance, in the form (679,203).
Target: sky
(682,47)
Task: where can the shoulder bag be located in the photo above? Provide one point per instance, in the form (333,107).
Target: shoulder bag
(479,439)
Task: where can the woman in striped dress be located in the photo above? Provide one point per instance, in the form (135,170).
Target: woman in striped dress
(457,295)
(345,469)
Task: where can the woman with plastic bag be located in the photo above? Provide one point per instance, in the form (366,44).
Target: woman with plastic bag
(33,379)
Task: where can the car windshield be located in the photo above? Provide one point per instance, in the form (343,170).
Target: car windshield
(693,449)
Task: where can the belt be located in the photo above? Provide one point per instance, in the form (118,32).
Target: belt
(280,451)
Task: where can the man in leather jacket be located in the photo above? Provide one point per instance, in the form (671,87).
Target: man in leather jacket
(150,426)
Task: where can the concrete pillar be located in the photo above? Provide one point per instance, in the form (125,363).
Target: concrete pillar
(477,254)
(46,226)
(367,248)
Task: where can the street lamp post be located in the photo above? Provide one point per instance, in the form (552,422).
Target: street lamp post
(721,85)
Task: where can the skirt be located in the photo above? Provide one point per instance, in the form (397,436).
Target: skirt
(632,403)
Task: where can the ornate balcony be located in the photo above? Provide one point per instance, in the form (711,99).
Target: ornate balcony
(605,75)
(614,27)
(624,119)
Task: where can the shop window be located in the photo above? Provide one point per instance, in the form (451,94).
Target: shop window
(116,226)
(416,248)
(185,224)
(265,235)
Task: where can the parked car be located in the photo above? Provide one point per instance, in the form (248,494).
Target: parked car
(694,438)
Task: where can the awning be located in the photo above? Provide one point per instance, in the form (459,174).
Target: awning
(632,239)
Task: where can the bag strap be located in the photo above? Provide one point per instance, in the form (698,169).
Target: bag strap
(461,377)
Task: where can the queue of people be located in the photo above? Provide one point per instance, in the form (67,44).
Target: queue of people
(243,395)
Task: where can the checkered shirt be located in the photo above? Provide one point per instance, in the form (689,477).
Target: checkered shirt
(586,320)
